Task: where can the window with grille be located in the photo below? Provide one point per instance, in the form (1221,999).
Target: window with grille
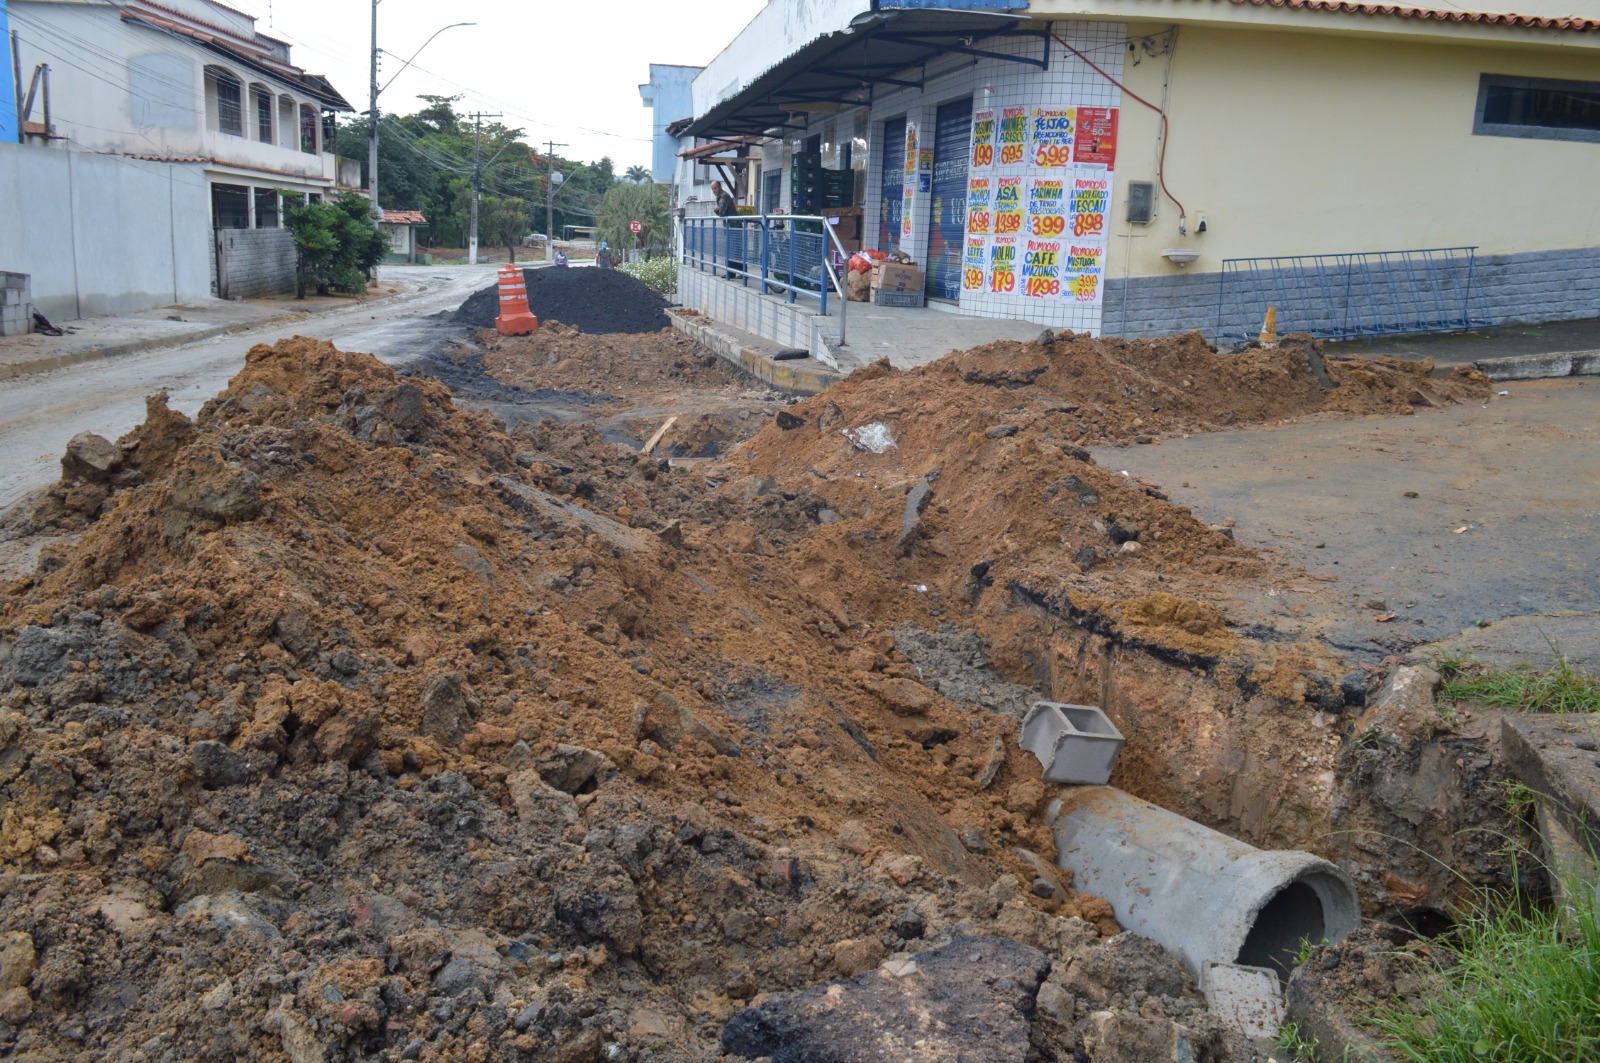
(263,102)
(308,130)
(266,208)
(1539,108)
(230,112)
(230,207)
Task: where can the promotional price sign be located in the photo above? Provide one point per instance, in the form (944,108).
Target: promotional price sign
(1091,196)
(972,265)
(1085,266)
(1096,139)
(1047,207)
(1008,206)
(1003,265)
(982,140)
(1041,268)
(1013,136)
(911,150)
(925,170)
(979,210)
(1051,130)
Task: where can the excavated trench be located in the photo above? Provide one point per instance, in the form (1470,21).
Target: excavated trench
(421,736)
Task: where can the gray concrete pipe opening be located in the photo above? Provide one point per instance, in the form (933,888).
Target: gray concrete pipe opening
(1198,892)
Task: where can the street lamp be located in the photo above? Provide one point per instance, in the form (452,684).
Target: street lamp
(372,115)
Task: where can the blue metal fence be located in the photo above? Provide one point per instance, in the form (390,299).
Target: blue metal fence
(1348,296)
(791,254)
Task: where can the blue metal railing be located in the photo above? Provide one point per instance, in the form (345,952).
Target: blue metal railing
(1349,296)
(787,253)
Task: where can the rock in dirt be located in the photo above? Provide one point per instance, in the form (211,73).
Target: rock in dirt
(90,457)
(970,1001)
(911,524)
(219,765)
(447,708)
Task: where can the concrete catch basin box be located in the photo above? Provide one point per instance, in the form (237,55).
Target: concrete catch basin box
(1077,744)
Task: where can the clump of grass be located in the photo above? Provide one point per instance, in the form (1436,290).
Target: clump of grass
(1559,688)
(1524,987)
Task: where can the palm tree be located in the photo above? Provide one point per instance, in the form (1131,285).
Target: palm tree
(638,174)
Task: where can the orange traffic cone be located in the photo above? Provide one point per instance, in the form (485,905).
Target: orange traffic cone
(1269,328)
(515,318)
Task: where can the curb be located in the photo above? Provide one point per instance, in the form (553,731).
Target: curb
(45,364)
(800,377)
(1540,366)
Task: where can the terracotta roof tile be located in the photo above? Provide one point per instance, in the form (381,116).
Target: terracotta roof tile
(404,217)
(1482,18)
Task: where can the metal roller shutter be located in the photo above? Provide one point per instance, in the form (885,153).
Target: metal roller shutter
(948,209)
(894,184)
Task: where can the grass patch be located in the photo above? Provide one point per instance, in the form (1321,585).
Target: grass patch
(1560,688)
(1523,987)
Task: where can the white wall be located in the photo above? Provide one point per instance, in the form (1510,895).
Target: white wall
(104,235)
(129,89)
(778,31)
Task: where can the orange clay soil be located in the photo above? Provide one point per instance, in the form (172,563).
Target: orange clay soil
(342,675)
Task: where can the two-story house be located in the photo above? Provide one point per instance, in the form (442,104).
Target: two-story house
(192,84)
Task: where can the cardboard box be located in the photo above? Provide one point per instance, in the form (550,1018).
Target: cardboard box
(846,227)
(897,277)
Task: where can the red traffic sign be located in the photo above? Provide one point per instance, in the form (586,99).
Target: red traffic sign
(636,226)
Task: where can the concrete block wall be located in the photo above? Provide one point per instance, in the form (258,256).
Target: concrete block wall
(16,309)
(259,261)
(1539,286)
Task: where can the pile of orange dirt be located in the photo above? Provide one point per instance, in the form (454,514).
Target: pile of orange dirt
(356,726)
(1140,390)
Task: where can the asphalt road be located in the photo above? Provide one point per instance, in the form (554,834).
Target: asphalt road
(39,413)
(1505,521)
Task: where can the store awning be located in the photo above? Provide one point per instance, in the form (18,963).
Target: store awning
(888,48)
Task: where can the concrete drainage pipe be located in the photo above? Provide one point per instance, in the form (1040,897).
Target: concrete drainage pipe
(1202,894)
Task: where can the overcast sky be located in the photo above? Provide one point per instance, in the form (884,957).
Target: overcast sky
(563,70)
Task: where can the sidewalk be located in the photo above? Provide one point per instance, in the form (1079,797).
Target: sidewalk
(1512,352)
(167,326)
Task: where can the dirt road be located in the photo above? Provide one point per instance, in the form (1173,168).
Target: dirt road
(38,414)
(1451,517)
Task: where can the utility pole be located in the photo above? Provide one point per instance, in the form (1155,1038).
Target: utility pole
(550,202)
(477,180)
(372,121)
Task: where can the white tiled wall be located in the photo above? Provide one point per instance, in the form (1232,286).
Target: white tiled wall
(994,84)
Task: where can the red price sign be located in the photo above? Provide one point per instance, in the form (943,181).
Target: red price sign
(1005,281)
(1084,287)
(1007,223)
(1010,154)
(1039,286)
(982,154)
(1084,224)
(1049,225)
(1053,155)
(636,226)
(978,222)
(973,281)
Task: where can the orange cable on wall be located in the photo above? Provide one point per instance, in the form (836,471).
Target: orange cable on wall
(1161,163)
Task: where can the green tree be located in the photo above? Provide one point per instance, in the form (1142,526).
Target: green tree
(624,204)
(638,174)
(503,220)
(336,242)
